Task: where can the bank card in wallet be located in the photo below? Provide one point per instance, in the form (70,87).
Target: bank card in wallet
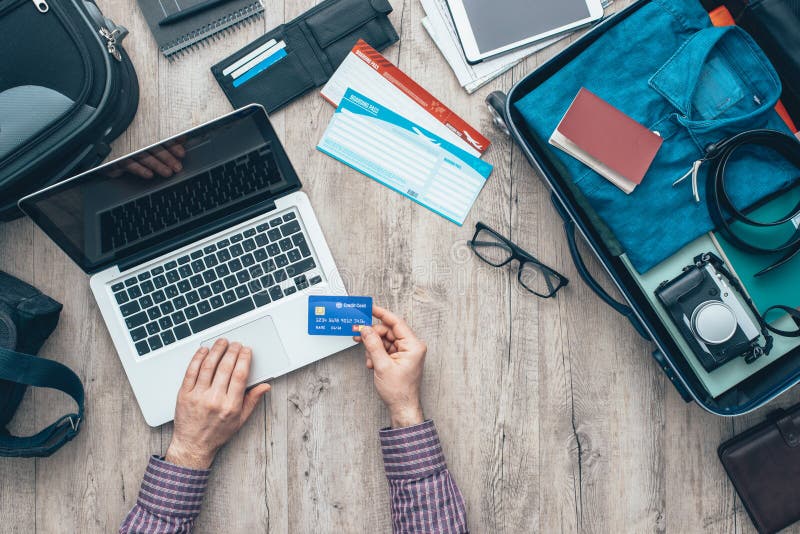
(607,141)
(366,71)
(404,156)
(338,315)
(259,63)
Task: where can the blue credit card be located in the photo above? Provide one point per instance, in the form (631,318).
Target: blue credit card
(338,315)
(261,67)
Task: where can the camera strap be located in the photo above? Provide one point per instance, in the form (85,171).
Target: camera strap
(766,328)
(791,312)
(721,208)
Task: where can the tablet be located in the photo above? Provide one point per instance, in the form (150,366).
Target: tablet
(491,27)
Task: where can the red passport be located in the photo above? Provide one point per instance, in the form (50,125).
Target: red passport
(605,139)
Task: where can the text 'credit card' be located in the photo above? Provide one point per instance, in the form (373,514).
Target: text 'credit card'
(338,315)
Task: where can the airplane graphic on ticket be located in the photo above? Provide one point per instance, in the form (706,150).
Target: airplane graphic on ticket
(404,156)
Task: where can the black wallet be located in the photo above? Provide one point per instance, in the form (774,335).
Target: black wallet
(764,465)
(316,44)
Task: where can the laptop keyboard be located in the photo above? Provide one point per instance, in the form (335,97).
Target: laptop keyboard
(216,282)
(148,215)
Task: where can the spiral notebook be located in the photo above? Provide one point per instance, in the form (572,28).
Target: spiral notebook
(182,37)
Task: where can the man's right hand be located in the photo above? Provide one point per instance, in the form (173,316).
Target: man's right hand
(213,403)
(397,356)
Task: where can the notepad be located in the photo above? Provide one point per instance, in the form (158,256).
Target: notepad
(405,157)
(176,39)
(606,140)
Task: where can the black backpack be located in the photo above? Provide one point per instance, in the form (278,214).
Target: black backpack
(67,89)
(27,317)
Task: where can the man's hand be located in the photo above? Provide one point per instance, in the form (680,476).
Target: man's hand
(163,160)
(397,357)
(212,403)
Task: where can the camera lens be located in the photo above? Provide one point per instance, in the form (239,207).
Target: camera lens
(714,322)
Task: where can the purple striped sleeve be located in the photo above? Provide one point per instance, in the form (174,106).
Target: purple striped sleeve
(169,499)
(424,495)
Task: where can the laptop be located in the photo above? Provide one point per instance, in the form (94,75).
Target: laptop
(203,235)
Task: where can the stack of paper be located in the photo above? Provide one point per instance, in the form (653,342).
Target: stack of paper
(366,71)
(405,157)
(440,27)
(391,129)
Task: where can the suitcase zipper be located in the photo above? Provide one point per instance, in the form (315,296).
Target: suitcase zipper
(41,5)
(111,41)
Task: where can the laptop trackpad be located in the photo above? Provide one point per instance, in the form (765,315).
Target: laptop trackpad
(269,356)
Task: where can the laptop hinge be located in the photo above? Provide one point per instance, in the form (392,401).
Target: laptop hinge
(196,235)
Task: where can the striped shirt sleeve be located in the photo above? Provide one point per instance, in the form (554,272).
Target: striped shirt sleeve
(424,496)
(169,499)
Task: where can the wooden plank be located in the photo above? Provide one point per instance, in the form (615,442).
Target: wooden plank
(188,95)
(334,468)
(599,451)
(462,307)
(102,468)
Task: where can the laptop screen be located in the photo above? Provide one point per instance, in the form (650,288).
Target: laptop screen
(167,193)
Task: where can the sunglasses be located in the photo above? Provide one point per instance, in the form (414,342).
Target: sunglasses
(533,275)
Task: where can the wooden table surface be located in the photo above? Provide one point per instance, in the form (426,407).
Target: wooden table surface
(552,414)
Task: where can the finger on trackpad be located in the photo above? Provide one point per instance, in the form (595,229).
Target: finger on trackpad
(269,356)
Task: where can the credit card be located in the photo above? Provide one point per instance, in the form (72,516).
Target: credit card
(258,59)
(338,315)
(241,61)
(261,67)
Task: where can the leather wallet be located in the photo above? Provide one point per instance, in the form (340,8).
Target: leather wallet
(764,465)
(316,44)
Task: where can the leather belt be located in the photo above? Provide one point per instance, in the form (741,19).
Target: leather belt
(722,209)
(720,206)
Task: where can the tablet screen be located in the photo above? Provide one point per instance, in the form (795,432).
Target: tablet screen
(499,23)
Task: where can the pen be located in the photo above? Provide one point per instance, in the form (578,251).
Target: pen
(191,11)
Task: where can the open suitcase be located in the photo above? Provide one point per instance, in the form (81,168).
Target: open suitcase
(755,391)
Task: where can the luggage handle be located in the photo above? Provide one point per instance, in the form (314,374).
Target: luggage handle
(672,375)
(496,102)
(583,271)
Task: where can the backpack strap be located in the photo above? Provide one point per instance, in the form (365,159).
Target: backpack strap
(40,372)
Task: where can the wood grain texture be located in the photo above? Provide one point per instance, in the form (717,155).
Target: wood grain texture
(551,413)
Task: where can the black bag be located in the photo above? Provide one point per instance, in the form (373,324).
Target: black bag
(67,89)
(27,317)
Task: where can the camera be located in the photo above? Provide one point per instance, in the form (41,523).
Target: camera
(707,305)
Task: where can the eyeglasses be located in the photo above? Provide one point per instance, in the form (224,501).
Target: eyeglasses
(498,251)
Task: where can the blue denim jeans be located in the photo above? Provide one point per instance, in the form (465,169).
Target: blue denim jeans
(669,69)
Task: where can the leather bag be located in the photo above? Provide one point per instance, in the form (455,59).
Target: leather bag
(27,317)
(67,89)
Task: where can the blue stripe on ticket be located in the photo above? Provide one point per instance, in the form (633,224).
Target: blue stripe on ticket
(403,156)
(261,67)
(338,315)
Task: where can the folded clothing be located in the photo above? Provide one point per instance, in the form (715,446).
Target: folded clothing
(669,69)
